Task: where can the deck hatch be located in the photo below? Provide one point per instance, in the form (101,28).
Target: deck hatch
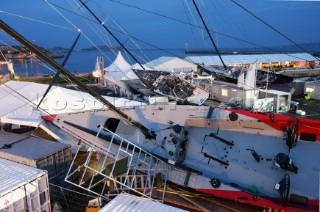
(298,200)
(308,136)
(112,124)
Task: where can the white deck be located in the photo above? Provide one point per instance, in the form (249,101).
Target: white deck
(246,133)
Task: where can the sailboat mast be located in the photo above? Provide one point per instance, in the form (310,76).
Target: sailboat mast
(114,37)
(205,26)
(73,78)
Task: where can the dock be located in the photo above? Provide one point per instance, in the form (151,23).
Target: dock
(299,73)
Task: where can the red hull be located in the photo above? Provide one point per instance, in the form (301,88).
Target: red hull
(240,196)
(280,122)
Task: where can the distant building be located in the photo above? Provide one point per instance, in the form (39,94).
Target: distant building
(301,60)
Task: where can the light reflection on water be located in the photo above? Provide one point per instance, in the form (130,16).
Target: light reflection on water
(84,61)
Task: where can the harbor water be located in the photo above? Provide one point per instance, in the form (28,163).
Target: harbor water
(84,61)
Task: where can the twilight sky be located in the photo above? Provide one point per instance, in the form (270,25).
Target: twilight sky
(165,24)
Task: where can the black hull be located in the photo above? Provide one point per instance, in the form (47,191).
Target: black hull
(272,79)
(263,78)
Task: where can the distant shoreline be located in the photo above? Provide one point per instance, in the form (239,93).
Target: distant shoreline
(242,52)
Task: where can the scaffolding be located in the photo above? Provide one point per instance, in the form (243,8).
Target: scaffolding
(114,164)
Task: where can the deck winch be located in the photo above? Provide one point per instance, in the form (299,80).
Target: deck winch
(292,134)
(284,188)
(283,161)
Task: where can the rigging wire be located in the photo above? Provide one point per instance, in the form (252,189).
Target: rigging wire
(90,41)
(38,61)
(226,13)
(96,29)
(53,6)
(4,57)
(115,38)
(229,22)
(99,35)
(31,57)
(119,68)
(35,20)
(185,10)
(232,37)
(49,68)
(212,22)
(212,41)
(63,16)
(123,32)
(201,29)
(271,27)
(196,26)
(167,17)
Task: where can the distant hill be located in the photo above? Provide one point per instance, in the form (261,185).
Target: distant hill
(102,48)
(58,50)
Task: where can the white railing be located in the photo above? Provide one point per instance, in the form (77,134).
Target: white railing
(116,164)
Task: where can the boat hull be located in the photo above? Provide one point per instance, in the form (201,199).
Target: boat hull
(239,148)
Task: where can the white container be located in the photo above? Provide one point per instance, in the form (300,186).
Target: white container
(158,100)
(23,188)
(39,153)
(301,112)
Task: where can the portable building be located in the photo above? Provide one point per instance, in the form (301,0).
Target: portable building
(231,93)
(282,99)
(37,152)
(23,188)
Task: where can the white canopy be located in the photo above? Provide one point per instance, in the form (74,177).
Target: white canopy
(120,69)
(138,67)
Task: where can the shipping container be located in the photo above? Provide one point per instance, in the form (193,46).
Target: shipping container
(299,87)
(231,93)
(54,157)
(23,188)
